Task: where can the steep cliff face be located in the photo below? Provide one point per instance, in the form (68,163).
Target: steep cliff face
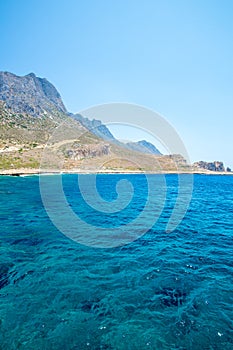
(211,166)
(29,94)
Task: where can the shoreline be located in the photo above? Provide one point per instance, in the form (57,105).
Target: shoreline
(28,172)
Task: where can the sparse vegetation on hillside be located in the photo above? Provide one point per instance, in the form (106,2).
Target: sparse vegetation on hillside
(36,130)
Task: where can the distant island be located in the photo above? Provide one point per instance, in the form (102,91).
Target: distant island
(31,109)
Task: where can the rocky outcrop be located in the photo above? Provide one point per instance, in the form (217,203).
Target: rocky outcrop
(88,151)
(29,94)
(211,166)
(143,147)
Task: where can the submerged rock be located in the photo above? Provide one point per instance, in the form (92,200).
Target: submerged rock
(172,297)
(4,274)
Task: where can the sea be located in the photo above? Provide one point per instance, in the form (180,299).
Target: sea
(160,290)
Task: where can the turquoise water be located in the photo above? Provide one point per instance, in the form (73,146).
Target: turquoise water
(162,291)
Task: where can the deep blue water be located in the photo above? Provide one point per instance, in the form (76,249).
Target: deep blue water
(162,291)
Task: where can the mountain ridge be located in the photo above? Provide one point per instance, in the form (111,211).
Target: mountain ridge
(143,146)
(31,110)
(38,97)
(95,126)
(29,94)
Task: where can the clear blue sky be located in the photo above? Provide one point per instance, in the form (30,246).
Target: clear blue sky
(174,56)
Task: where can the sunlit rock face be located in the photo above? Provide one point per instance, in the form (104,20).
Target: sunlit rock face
(212,166)
(29,94)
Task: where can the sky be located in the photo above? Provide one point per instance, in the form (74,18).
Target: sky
(172,56)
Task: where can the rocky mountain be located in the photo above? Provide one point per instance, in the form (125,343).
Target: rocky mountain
(143,146)
(29,94)
(210,166)
(95,126)
(37,97)
(32,112)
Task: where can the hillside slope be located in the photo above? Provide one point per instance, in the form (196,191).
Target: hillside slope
(35,126)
